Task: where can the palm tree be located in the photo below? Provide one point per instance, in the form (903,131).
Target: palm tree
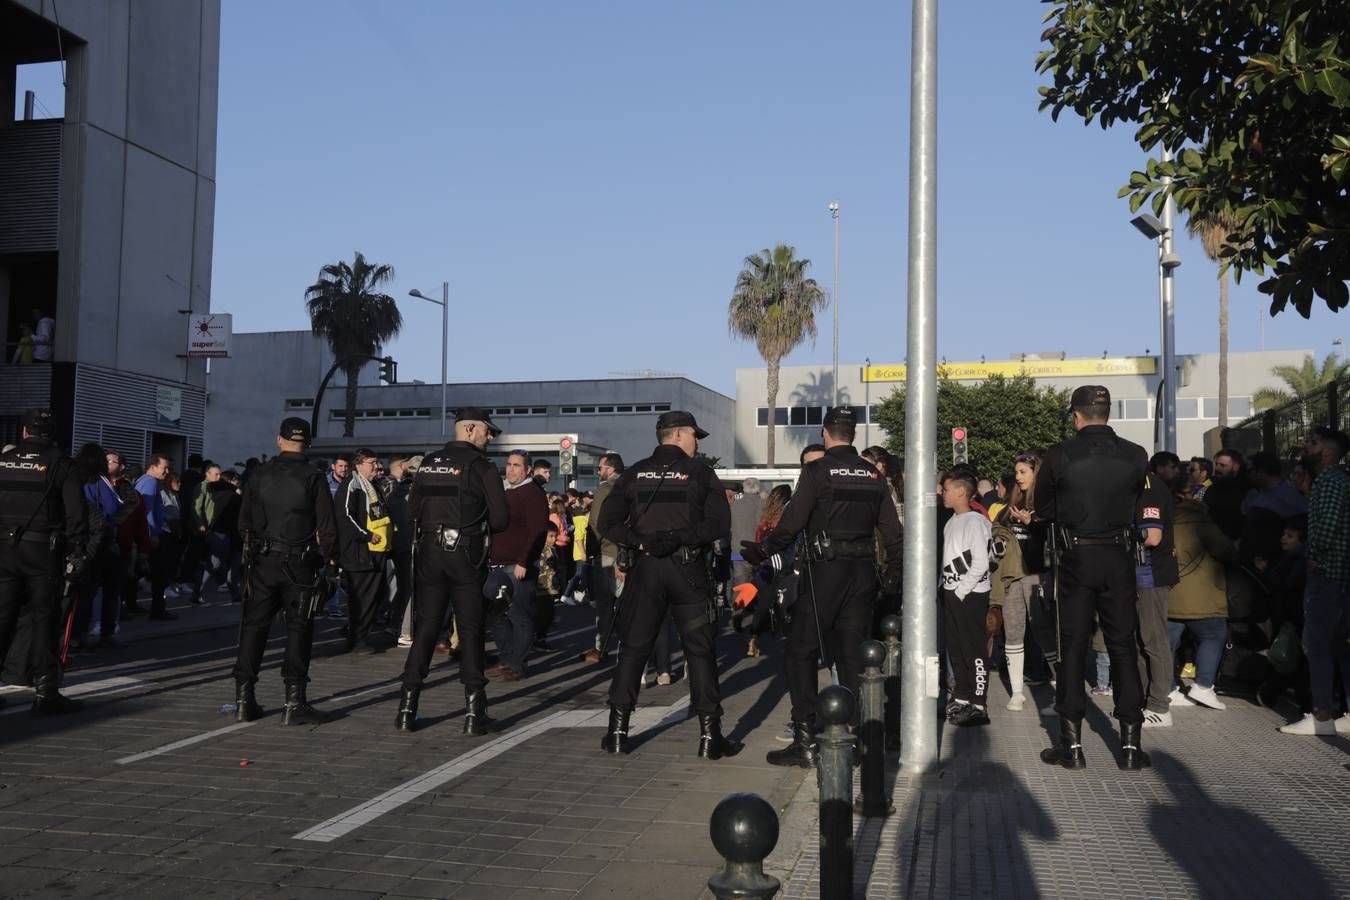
(774,305)
(346,307)
(1301,381)
(1213,231)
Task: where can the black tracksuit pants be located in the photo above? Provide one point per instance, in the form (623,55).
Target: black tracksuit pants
(966,642)
(367,587)
(842,593)
(29,595)
(1098,579)
(272,591)
(654,589)
(445,578)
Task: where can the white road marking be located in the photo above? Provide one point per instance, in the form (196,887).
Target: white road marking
(185,742)
(84,690)
(347,822)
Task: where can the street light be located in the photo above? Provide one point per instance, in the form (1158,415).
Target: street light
(1339,344)
(834,214)
(1161,231)
(444,304)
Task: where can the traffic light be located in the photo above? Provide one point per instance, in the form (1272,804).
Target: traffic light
(960,453)
(565,456)
(388,370)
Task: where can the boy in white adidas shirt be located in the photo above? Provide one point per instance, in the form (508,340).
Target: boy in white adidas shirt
(965,598)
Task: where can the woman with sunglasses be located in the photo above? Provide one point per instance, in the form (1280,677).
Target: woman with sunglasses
(1021,602)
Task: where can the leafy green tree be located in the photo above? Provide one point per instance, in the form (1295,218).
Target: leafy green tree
(1003,417)
(774,305)
(1213,233)
(1300,381)
(1255,97)
(346,306)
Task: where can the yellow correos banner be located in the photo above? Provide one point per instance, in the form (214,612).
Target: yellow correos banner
(1036,368)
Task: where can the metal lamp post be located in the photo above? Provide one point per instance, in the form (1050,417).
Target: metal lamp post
(834,214)
(444,304)
(1161,231)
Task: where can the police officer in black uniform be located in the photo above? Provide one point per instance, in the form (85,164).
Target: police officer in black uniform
(43,532)
(665,513)
(454,506)
(840,503)
(286,519)
(1089,489)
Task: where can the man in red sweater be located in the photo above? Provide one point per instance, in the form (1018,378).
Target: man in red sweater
(515,564)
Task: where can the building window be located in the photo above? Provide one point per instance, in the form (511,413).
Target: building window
(814,415)
(1239,407)
(1188,408)
(780,416)
(300,403)
(797,415)
(567,410)
(604,409)
(538,410)
(859,413)
(623,409)
(642,407)
(660,407)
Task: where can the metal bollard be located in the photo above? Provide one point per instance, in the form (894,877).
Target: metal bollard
(871,733)
(834,774)
(744,830)
(890,629)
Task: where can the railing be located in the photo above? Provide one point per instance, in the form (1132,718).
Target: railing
(1284,429)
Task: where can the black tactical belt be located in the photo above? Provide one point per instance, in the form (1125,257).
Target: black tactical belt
(1118,540)
(36,537)
(854,549)
(275,547)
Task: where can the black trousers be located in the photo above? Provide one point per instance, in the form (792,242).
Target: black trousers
(966,644)
(363,598)
(444,579)
(601,590)
(1100,580)
(655,588)
(29,600)
(403,586)
(272,591)
(842,593)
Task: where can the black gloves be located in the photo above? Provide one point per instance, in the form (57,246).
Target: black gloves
(76,563)
(661,543)
(753,553)
(891,580)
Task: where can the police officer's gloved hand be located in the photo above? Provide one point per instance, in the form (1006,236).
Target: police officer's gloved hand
(661,543)
(753,553)
(891,580)
(76,563)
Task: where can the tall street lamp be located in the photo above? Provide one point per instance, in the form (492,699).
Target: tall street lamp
(1161,231)
(834,214)
(444,304)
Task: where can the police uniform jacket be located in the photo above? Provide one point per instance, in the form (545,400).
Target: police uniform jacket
(842,495)
(287,502)
(1092,484)
(41,496)
(688,508)
(458,487)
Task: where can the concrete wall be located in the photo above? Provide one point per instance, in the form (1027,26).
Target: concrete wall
(811,386)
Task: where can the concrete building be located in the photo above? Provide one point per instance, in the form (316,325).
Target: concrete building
(107,217)
(253,390)
(1133,381)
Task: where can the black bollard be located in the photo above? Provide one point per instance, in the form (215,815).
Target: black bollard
(744,830)
(890,629)
(834,775)
(871,733)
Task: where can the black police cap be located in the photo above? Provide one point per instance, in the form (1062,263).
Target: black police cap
(38,422)
(476,414)
(680,419)
(294,428)
(840,415)
(1090,395)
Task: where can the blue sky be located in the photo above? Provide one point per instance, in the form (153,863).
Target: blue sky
(588,176)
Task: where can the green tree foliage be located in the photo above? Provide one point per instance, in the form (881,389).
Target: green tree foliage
(774,304)
(1255,99)
(346,306)
(1004,416)
(1300,381)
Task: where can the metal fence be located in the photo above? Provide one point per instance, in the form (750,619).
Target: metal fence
(1283,429)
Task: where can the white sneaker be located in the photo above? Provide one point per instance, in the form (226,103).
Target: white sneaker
(1309,724)
(1157,720)
(404,640)
(1343,724)
(787,735)
(1177,698)
(1205,696)
(1016,702)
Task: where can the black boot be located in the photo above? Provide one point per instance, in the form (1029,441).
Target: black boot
(616,735)
(476,721)
(48,700)
(711,744)
(406,720)
(297,710)
(246,708)
(1132,755)
(1069,752)
(801,752)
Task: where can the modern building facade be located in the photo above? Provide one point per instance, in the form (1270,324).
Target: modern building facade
(107,217)
(252,391)
(806,391)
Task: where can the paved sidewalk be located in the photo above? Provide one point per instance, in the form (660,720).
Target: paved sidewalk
(1231,809)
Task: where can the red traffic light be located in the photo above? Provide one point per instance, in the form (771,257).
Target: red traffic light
(958,434)
(565,443)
